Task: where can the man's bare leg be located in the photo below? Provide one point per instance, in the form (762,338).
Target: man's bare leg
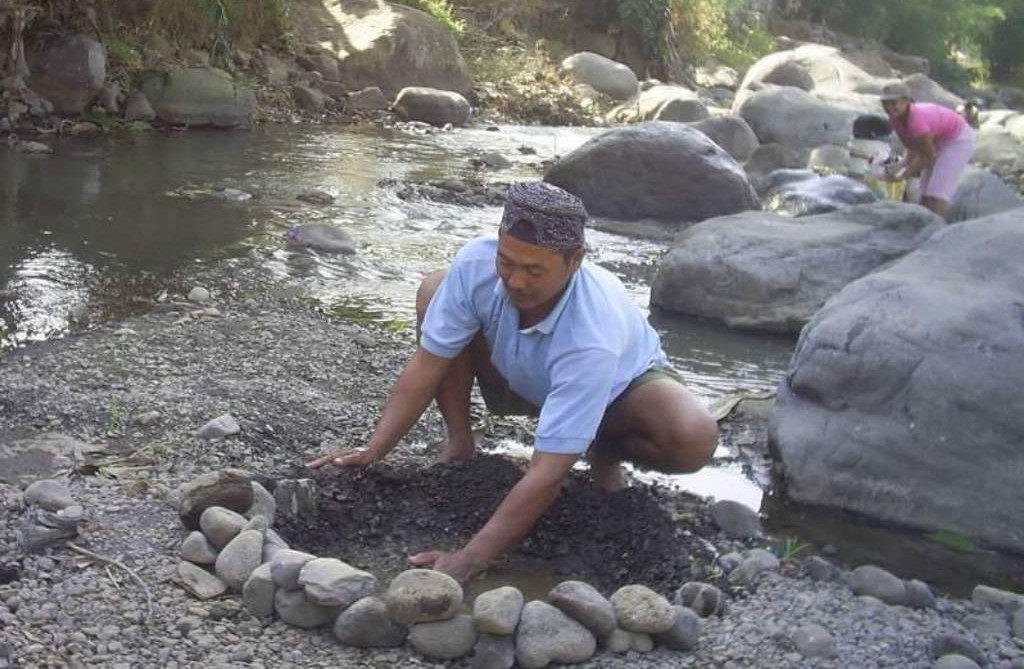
(453,395)
(661,426)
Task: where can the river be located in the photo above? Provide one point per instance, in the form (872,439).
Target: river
(104,220)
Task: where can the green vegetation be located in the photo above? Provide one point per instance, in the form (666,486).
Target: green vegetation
(952,540)
(440,10)
(963,39)
(117,416)
(790,548)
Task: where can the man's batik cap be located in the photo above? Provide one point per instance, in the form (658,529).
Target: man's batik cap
(556,217)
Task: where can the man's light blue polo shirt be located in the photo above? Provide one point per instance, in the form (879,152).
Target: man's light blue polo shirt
(572,364)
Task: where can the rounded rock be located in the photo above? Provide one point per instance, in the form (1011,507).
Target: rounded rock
(258,592)
(221,525)
(229,488)
(49,495)
(582,602)
(684,633)
(294,608)
(877,582)
(286,565)
(814,641)
(736,520)
(494,652)
(199,295)
(547,635)
(701,598)
(331,582)
(444,639)
(263,504)
(423,595)
(955,662)
(497,611)
(239,559)
(640,609)
(366,624)
(197,549)
(919,595)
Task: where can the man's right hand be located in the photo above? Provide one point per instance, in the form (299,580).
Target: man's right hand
(344,458)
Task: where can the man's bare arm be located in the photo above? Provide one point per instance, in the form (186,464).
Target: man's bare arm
(515,516)
(412,393)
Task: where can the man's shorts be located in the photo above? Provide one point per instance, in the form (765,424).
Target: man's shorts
(506,402)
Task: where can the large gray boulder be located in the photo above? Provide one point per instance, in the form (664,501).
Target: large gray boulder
(795,118)
(433,106)
(924,89)
(602,74)
(661,103)
(981,193)
(902,401)
(69,73)
(393,46)
(200,96)
(805,193)
(999,150)
(769,272)
(731,133)
(664,171)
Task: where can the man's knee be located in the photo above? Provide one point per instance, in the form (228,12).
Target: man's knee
(426,291)
(694,441)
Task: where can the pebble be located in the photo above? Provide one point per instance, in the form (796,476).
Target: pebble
(494,652)
(219,427)
(199,295)
(497,611)
(581,601)
(640,609)
(366,624)
(820,569)
(547,635)
(196,548)
(755,562)
(220,525)
(813,640)
(295,609)
(258,592)
(702,598)
(237,561)
(444,639)
(736,520)
(955,662)
(199,582)
(984,595)
(423,595)
(49,495)
(877,582)
(685,630)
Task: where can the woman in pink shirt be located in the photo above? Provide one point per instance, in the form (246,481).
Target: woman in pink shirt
(939,144)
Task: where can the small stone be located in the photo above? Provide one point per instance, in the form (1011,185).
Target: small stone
(272,544)
(49,495)
(221,525)
(79,313)
(730,561)
(736,520)
(640,609)
(316,196)
(877,582)
(954,661)
(294,608)
(365,340)
(919,595)
(331,582)
(1017,628)
(991,622)
(755,562)
(497,611)
(984,595)
(199,582)
(494,652)
(370,98)
(684,633)
(239,559)
(366,624)
(617,641)
(258,592)
(582,602)
(222,426)
(229,488)
(641,643)
(491,159)
(702,598)
(146,418)
(423,595)
(820,569)
(199,295)
(547,635)
(197,549)
(444,639)
(956,644)
(814,641)
(296,498)
(286,565)
(257,523)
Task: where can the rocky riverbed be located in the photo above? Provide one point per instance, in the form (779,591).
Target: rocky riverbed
(114,412)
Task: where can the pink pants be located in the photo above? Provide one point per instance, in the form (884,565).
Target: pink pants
(940,180)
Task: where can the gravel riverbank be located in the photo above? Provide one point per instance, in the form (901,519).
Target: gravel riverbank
(133,394)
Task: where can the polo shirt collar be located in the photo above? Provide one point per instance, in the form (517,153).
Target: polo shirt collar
(547,325)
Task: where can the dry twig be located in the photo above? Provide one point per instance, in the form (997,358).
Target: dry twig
(116,563)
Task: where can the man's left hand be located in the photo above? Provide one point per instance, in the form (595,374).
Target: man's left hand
(458,564)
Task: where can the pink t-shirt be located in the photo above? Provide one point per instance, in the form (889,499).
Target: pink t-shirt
(942,123)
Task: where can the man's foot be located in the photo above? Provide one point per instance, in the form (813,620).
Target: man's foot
(458,449)
(607,475)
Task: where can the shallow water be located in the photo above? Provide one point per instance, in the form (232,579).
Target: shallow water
(101,221)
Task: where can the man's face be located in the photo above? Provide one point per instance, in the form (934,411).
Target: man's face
(533,275)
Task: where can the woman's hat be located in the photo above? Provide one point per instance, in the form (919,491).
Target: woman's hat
(897,90)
